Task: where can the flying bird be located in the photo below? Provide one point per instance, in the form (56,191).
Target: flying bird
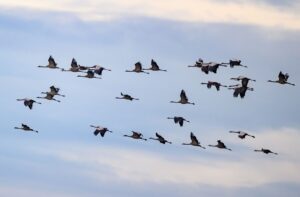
(220,145)
(234,62)
(209,84)
(282,79)
(179,120)
(203,66)
(266,151)
(137,68)
(240,91)
(213,66)
(242,134)
(99,69)
(160,139)
(194,141)
(49,97)
(183,99)
(136,135)
(90,75)
(28,102)
(25,128)
(126,97)
(54,91)
(154,66)
(101,130)
(74,67)
(51,63)
(245,80)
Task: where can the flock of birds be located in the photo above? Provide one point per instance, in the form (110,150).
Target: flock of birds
(96,72)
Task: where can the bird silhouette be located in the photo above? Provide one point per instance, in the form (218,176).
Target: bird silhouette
(242,134)
(26,128)
(209,84)
(220,145)
(100,130)
(179,120)
(183,99)
(266,151)
(51,64)
(28,102)
(282,79)
(136,135)
(126,97)
(160,139)
(90,75)
(137,68)
(234,62)
(154,66)
(194,141)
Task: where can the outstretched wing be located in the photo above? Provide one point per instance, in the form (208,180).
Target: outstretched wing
(281,76)
(51,61)
(138,66)
(154,65)
(159,136)
(183,95)
(194,138)
(74,63)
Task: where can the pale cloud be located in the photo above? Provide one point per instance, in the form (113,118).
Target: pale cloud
(204,11)
(248,169)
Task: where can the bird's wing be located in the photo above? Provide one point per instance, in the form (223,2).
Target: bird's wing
(154,65)
(90,73)
(74,63)
(281,76)
(157,135)
(183,95)
(51,61)
(194,138)
(138,66)
(181,122)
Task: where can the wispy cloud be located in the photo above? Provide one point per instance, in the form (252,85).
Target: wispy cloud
(205,11)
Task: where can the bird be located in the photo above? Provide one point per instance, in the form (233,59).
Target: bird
(194,141)
(245,80)
(90,75)
(154,66)
(282,79)
(200,64)
(74,67)
(28,102)
(160,139)
(49,97)
(183,99)
(213,66)
(266,151)
(213,83)
(26,128)
(242,134)
(179,120)
(137,68)
(101,130)
(136,135)
(220,145)
(54,91)
(240,91)
(126,97)
(234,62)
(99,69)
(51,64)
(86,67)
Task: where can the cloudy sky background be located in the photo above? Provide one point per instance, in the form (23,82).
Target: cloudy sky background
(65,159)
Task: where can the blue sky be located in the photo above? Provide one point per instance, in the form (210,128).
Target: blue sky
(65,159)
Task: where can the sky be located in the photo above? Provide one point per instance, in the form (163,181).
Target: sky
(65,159)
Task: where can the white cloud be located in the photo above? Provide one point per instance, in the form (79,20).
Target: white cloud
(206,11)
(248,169)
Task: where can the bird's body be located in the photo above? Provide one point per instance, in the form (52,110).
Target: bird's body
(126,97)
(209,84)
(183,99)
(282,79)
(90,75)
(25,128)
(160,139)
(154,66)
(194,141)
(235,62)
(136,135)
(179,120)
(49,97)
(51,64)
(99,69)
(28,102)
(137,68)
(242,134)
(266,151)
(100,130)
(220,145)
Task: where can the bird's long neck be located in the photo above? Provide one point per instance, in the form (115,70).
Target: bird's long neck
(186,143)
(272,81)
